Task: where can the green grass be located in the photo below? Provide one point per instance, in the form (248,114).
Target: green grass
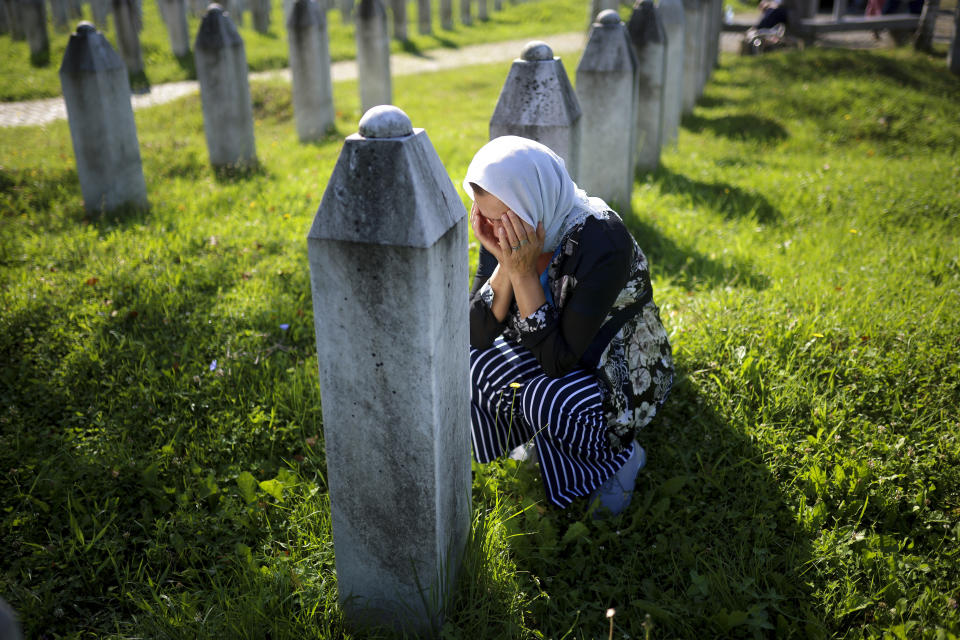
(19,80)
(803,480)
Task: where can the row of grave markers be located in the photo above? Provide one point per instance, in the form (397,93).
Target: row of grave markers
(27,20)
(632,87)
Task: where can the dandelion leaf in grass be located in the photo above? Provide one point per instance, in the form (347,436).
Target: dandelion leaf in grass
(248,486)
(575,532)
(274,487)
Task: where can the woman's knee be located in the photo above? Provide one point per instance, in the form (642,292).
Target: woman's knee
(548,402)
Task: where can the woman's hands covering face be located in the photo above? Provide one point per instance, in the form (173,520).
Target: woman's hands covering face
(520,244)
(515,244)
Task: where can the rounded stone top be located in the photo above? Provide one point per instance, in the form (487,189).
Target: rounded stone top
(86,27)
(536,51)
(385,121)
(214,6)
(608,17)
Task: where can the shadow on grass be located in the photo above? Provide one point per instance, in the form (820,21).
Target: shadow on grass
(688,269)
(708,548)
(188,64)
(229,174)
(743,127)
(727,199)
(43,197)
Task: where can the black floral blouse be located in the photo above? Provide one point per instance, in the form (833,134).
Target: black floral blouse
(603,318)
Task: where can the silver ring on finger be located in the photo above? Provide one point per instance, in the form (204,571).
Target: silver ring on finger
(515,247)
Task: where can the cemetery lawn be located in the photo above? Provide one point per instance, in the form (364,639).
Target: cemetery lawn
(19,80)
(161,448)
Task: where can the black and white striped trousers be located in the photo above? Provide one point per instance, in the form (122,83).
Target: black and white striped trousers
(512,401)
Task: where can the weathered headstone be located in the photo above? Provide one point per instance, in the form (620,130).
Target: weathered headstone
(59,12)
(4,18)
(650,47)
(101,12)
(96,91)
(497,5)
(483,10)
(233,8)
(13,17)
(75,8)
(599,6)
(706,18)
(607,92)
(446,14)
(465,16)
(424,21)
(671,12)
(33,19)
(373,55)
(399,12)
(716,23)
(128,21)
(953,54)
(346,11)
(174,13)
(310,70)
(692,45)
(224,91)
(260,11)
(538,102)
(387,250)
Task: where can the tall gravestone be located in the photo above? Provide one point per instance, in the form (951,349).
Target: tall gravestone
(128,21)
(388,251)
(174,13)
(706,8)
(101,12)
(373,55)
(671,11)
(607,92)
(75,8)
(96,92)
(424,21)
(483,10)
(16,23)
(233,8)
(399,11)
(59,12)
(260,11)
(310,70)
(446,14)
(221,63)
(538,102)
(599,6)
(346,11)
(33,19)
(650,47)
(953,54)
(465,15)
(692,14)
(4,18)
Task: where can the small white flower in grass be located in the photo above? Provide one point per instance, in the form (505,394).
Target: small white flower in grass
(213,366)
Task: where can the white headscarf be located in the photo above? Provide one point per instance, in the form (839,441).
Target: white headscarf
(533,182)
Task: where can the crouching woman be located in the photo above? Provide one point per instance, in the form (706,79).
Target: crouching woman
(566,345)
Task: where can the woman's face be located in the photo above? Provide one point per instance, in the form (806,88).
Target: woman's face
(491,211)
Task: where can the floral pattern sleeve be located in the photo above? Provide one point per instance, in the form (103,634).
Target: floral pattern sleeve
(537,325)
